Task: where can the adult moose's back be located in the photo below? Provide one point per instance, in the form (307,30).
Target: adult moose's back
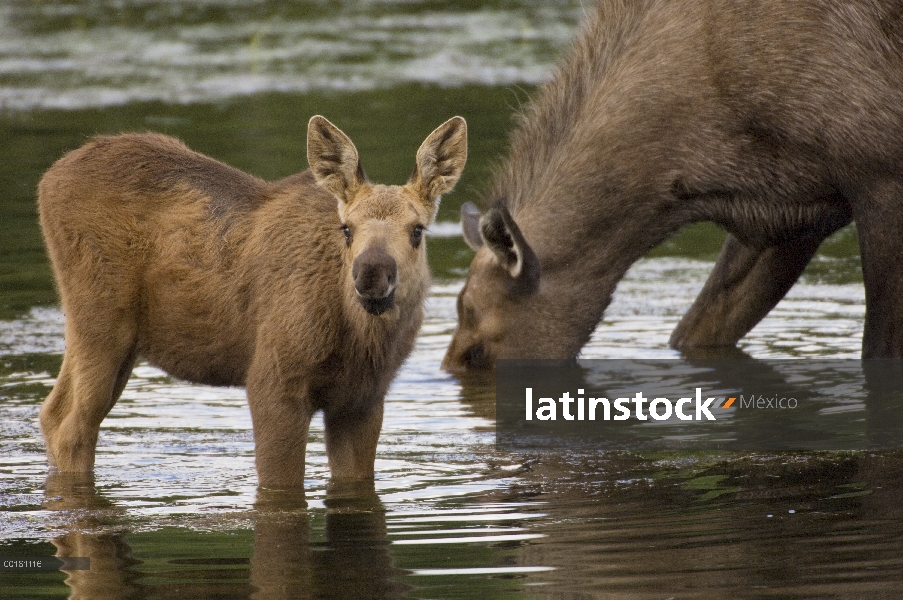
(779,120)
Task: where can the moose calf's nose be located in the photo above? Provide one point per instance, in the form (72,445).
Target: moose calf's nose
(374,273)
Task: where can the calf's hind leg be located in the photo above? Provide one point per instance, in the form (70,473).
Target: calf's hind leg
(92,378)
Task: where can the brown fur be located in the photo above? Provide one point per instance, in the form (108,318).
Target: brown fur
(218,277)
(780,120)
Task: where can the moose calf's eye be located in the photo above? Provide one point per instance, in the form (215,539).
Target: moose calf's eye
(347,231)
(416,235)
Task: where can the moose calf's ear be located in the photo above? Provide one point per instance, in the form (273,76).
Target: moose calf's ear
(470,225)
(512,252)
(333,159)
(440,160)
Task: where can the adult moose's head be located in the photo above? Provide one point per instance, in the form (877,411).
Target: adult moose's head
(384,225)
(508,306)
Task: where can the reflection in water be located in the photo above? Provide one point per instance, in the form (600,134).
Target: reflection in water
(884,418)
(353,561)
(112,575)
(281,562)
(356,562)
(574,526)
(789,526)
(478,393)
(178,514)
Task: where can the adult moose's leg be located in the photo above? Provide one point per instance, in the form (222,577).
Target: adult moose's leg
(878,213)
(744,286)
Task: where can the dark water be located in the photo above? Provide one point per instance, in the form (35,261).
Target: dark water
(173,510)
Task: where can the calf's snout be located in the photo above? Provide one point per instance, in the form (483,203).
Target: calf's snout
(375,275)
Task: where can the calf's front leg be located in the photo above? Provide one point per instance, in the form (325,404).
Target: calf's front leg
(351,439)
(281,420)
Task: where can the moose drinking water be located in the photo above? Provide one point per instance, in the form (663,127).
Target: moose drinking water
(308,291)
(779,120)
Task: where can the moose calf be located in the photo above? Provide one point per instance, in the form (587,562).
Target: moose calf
(307,291)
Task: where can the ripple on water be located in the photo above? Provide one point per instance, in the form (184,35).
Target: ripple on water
(451,508)
(82,55)
(167,435)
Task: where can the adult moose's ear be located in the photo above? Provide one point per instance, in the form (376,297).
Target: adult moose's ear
(333,159)
(512,252)
(470,225)
(440,160)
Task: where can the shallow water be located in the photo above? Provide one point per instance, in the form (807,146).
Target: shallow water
(173,509)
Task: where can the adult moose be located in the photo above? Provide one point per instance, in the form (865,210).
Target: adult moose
(308,291)
(780,120)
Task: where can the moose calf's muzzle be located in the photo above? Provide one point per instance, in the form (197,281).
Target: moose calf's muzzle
(375,275)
